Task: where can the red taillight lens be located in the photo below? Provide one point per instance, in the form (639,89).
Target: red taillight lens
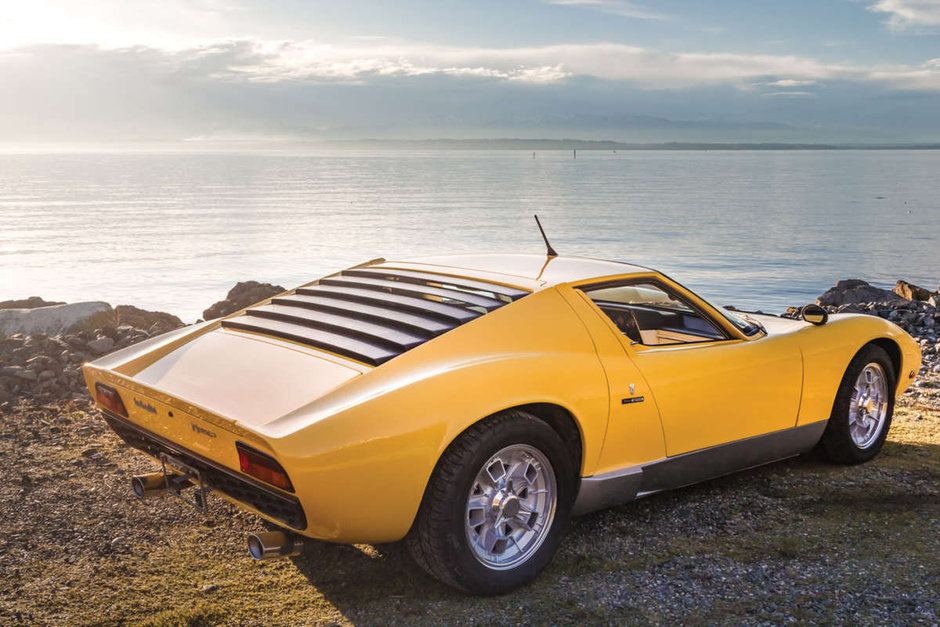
(261,466)
(109,398)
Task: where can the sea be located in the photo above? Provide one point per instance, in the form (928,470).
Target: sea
(174,230)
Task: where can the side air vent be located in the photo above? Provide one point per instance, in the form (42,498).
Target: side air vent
(374,314)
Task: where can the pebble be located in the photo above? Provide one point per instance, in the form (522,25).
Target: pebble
(100,345)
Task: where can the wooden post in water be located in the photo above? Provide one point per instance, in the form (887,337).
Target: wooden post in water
(575,153)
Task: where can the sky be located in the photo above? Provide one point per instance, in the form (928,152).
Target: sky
(848,71)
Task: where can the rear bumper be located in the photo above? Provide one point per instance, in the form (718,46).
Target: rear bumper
(267,501)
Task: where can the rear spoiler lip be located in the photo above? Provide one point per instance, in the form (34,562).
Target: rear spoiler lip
(94,374)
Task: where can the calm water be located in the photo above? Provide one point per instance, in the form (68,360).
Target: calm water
(175,231)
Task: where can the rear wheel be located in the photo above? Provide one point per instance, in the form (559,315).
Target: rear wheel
(496,506)
(862,412)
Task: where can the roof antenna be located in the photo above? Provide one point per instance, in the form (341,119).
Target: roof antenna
(550,251)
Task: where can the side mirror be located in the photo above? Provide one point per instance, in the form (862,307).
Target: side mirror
(814,314)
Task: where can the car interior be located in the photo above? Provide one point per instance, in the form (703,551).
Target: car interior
(649,315)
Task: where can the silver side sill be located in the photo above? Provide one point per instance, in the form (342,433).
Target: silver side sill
(626,484)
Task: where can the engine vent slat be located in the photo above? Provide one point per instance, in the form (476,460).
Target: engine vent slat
(358,329)
(442,311)
(366,352)
(425,278)
(422,325)
(410,289)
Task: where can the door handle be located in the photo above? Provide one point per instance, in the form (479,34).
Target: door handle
(631,398)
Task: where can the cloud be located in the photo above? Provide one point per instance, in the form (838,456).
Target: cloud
(230,90)
(906,14)
(788,94)
(646,67)
(623,8)
(923,77)
(789,82)
(311,62)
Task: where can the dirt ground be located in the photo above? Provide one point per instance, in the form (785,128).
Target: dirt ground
(797,541)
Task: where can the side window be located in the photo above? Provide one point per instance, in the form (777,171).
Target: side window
(648,314)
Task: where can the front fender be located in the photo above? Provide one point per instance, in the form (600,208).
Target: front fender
(828,349)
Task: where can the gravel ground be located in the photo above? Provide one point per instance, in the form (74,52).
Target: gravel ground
(795,542)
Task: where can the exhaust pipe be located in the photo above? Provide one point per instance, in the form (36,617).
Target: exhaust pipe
(149,485)
(274,544)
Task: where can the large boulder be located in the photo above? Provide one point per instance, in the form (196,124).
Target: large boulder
(51,320)
(911,291)
(852,291)
(28,303)
(151,321)
(244,294)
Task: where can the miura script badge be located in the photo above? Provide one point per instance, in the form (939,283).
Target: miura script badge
(199,429)
(145,406)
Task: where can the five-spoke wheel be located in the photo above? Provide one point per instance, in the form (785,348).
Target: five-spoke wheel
(511,506)
(869,405)
(861,414)
(497,504)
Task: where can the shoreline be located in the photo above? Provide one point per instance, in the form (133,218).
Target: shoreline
(45,367)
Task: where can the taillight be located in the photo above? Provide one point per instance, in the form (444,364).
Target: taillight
(261,466)
(109,398)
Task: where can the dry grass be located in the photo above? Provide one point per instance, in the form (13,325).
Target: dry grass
(796,540)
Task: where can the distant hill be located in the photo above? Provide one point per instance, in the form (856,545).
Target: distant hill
(587,144)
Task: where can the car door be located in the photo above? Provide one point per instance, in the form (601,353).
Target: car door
(711,385)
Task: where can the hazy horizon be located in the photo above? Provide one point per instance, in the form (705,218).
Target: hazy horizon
(111,71)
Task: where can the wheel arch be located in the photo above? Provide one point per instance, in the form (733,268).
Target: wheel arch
(565,425)
(894,353)
(559,418)
(889,346)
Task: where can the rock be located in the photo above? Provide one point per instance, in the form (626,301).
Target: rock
(854,291)
(46,374)
(27,303)
(911,291)
(244,294)
(23,373)
(130,316)
(100,345)
(850,308)
(50,320)
(91,449)
(209,587)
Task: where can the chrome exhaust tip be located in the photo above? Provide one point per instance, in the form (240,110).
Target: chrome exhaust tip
(149,485)
(274,544)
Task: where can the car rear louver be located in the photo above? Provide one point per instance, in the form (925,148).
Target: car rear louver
(372,314)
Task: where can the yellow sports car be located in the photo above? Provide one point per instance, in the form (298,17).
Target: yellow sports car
(472,404)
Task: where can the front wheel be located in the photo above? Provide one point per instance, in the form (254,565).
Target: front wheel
(496,506)
(862,412)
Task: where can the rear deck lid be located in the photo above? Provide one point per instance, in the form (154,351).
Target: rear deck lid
(245,378)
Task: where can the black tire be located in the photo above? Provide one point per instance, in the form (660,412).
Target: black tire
(438,540)
(837,444)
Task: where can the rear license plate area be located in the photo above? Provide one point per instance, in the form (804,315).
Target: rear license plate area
(180,478)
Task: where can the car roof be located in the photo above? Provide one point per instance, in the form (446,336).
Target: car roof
(524,270)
